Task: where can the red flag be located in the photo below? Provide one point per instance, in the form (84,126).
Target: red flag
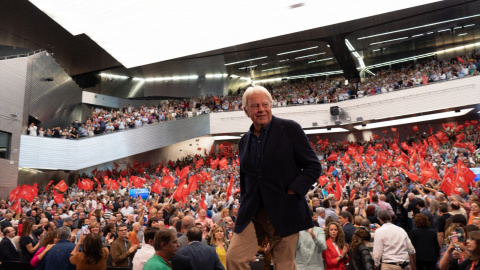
(156,187)
(57,197)
(393,129)
(430,130)
(114,184)
(203,176)
(229,187)
(115,164)
(369,160)
(49,183)
(202,203)
(338,190)
(61,186)
(412,176)
(123,182)
(448,182)
(415,128)
(345,159)
(371,195)
(192,184)
(137,181)
(385,131)
(214,163)
(464,175)
(375,136)
(223,163)
(322,180)
(199,163)
(333,156)
(184,173)
(168,181)
(181,193)
(16,207)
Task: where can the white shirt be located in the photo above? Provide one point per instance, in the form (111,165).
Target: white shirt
(142,256)
(127,211)
(391,244)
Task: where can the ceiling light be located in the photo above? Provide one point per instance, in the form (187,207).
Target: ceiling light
(252,66)
(349,45)
(274,68)
(395,39)
(247,60)
(324,130)
(309,48)
(267,80)
(376,50)
(413,119)
(310,55)
(284,60)
(420,26)
(216,75)
(242,68)
(429,33)
(462,34)
(222,138)
(418,35)
(320,60)
(264,64)
(113,76)
(443,30)
(401,60)
(172,78)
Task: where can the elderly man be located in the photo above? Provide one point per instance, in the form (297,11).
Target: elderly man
(277,168)
(8,251)
(59,255)
(321,216)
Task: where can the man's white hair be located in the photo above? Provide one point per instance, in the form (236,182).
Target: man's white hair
(257,89)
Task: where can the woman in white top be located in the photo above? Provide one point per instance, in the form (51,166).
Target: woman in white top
(41,133)
(32,130)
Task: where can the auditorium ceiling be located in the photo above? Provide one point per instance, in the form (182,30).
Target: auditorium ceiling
(413,32)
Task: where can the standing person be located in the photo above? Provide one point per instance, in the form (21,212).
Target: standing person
(218,240)
(311,243)
(359,254)
(147,251)
(203,256)
(28,243)
(93,255)
(278,166)
(121,249)
(47,243)
(8,250)
(58,256)
(392,246)
(336,254)
(166,245)
(425,242)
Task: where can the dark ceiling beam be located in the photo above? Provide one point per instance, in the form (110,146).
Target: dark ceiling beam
(343,56)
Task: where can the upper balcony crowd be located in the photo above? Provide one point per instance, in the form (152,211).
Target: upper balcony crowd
(329,90)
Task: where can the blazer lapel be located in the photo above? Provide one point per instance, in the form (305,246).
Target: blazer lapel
(273,139)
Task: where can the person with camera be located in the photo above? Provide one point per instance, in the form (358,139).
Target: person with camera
(457,249)
(472,260)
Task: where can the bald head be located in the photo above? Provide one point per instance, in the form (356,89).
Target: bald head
(187,223)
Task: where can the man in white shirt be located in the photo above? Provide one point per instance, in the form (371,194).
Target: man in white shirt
(392,246)
(147,251)
(126,209)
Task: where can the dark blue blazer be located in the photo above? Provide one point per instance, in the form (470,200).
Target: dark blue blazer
(288,162)
(7,251)
(349,230)
(204,257)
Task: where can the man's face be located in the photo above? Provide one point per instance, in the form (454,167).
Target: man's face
(259,109)
(11,232)
(342,220)
(172,246)
(315,202)
(122,232)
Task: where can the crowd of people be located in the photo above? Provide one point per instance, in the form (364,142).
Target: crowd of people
(329,90)
(355,206)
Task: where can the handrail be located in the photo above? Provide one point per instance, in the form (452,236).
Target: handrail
(21,55)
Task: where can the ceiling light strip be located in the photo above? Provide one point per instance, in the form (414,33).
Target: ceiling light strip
(413,119)
(417,27)
(274,68)
(247,60)
(301,50)
(385,41)
(320,60)
(310,55)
